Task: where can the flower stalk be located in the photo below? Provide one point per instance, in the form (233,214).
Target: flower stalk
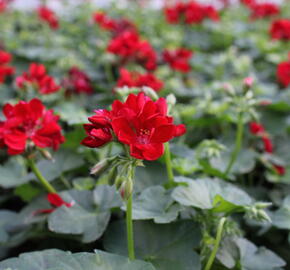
(129,221)
(216,244)
(238,143)
(168,163)
(40,177)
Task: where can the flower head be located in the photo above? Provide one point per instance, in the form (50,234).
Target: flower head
(5,69)
(263,10)
(77,82)
(283,73)
(29,124)
(140,123)
(256,128)
(178,59)
(47,15)
(279,169)
(129,47)
(190,13)
(37,77)
(280,29)
(134,79)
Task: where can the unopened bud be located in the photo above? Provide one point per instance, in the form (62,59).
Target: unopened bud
(263,216)
(46,154)
(262,205)
(248,82)
(99,166)
(229,89)
(150,92)
(171,99)
(126,189)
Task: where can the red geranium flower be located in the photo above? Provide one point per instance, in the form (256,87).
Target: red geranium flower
(78,82)
(283,73)
(47,15)
(268,145)
(280,29)
(134,79)
(190,13)
(37,77)
(279,169)
(139,122)
(130,47)
(56,201)
(264,10)
(115,26)
(104,21)
(5,69)
(3,6)
(256,128)
(29,123)
(178,59)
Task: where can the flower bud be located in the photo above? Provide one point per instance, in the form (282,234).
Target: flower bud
(148,91)
(126,189)
(99,166)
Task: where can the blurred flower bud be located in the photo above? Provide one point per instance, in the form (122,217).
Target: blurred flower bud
(248,82)
(150,92)
(126,189)
(45,153)
(99,166)
(229,89)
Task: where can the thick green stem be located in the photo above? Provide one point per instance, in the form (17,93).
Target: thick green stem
(40,177)
(169,165)
(216,244)
(238,144)
(130,238)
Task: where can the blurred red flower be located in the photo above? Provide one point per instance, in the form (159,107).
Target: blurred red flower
(130,47)
(256,128)
(56,201)
(77,82)
(29,124)
(178,59)
(281,170)
(3,6)
(190,13)
(135,79)
(280,29)
(283,73)
(263,10)
(5,69)
(37,77)
(47,15)
(268,145)
(139,122)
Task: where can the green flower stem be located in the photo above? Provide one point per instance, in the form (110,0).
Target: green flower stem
(129,221)
(238,144)
(130,238)
(109,73)
(169,165)
(216,244)
(40,177)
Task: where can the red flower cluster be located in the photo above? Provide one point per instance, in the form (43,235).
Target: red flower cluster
(283,73)
(263,10)
(3,6)
(56,201)
(115,26)
(280,29)
(134,79)
(37,77)
(178,59)
(258,130)
(47,15)
(27,124)
(5,69)
(190,13)
(139,122)
(130,47)
(77,82)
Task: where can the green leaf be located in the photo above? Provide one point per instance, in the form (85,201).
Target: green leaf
(253,258)
(155,203)
(72,113)
(166,246)
(27,192)
(6,217)
(90,214)
(211,194)
(281,217)
(60,260)
(13,173)
(64,160)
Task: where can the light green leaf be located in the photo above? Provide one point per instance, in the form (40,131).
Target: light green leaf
(54,259)
(166,246)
